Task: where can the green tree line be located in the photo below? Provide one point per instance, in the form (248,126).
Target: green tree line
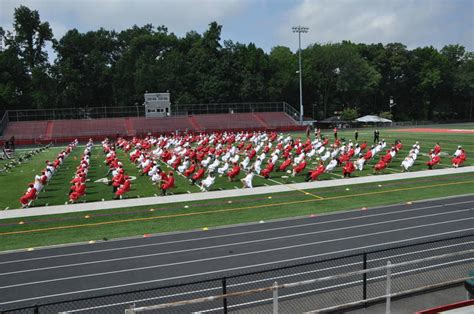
(110,68)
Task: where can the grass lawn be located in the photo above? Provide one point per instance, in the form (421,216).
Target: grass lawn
(15,182)
(56,192)
(114,223)
(67,228)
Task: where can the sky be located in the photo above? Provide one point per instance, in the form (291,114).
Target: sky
(267,23)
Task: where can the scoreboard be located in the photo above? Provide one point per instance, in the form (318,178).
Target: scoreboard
(157,105)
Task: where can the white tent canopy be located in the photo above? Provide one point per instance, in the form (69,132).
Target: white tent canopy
(373,119)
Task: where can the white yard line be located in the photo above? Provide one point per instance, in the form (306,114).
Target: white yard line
(194,239)
(222,257)
(231,243)
(218,271)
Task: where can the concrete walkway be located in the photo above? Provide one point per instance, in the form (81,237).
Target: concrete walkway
(92,206)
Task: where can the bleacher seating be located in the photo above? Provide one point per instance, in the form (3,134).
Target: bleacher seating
(276,119)
(25,129)
(72,128)
(161,125)
(228,121)
(27,132)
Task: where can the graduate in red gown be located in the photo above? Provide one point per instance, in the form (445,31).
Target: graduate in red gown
(176,163)
(348,169)
(252,154)
(118,180)
(459,160)
(368,155)
(387,157)
(234,172)
(435,159)
(190,170)
(79,190)
(398,145)
(29,196)
(314,174)
(198,175)
(285,164)
(168,183)
(300,167)
(381,165)
(266,172)
(124,188)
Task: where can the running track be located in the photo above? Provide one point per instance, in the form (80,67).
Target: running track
(76,271)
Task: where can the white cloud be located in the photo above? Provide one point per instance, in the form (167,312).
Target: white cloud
(179,16)
(268,23)
(412,22)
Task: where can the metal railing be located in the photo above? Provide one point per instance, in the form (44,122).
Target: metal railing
(359,286)
(211,108)
(76,113)
(4,122)
(389,269)
(139,111)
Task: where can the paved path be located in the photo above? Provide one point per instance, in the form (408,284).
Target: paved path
(92,206)
(86,270)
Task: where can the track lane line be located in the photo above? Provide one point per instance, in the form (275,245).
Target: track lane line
(234,268)
(231,255)
(233,243)
(238,233)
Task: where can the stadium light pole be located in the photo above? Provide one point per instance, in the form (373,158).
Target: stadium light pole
(300,29)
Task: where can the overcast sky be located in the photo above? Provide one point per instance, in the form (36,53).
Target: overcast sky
(267,23)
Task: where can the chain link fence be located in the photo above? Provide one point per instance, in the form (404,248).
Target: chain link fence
(329,293)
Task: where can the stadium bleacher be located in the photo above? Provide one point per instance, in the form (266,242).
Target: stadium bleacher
(70,128)
(228,121)
(162,125)
(25,129)
(29,132)
(275,118)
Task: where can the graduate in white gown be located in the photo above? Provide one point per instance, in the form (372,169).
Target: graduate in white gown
(326,156)
(248,180)
(331,165)
(407,163)
(184,166)
(360,162)
(245,163)
(258,166)
(223,169)
(208,182)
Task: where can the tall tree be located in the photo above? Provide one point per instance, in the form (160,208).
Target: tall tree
(30,36)
(32,85)
(84,64)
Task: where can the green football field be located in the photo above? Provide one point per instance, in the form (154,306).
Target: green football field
(46,230)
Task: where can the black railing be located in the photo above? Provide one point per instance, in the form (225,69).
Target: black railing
(298,299)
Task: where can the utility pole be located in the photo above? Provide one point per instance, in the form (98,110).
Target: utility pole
(299,30)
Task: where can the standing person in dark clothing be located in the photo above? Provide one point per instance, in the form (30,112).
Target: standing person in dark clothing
(376,136)
(335,133)
(12,143)
(356,135)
